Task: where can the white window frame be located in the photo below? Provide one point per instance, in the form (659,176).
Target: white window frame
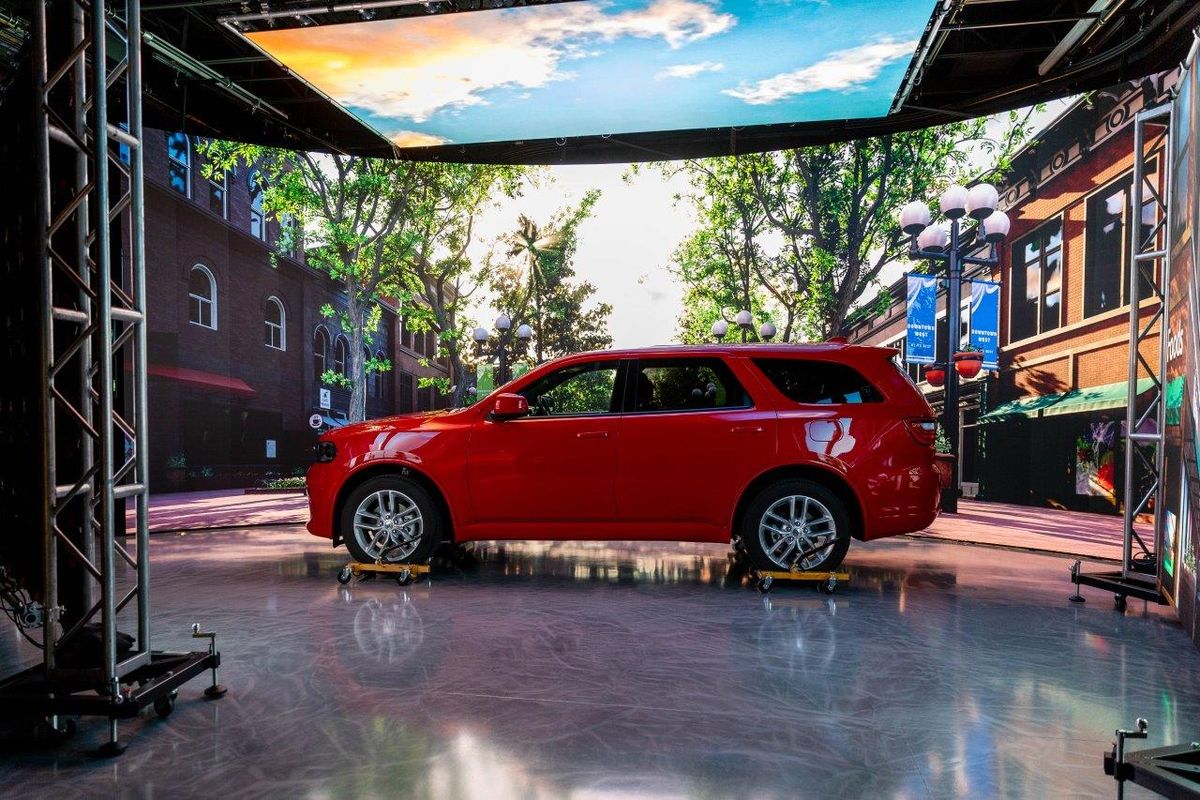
(254,182)
(277,329)
(211,300)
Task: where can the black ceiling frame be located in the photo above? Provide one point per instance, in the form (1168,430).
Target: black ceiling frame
(973,59)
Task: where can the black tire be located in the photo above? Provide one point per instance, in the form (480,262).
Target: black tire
(431,520)
(827,560)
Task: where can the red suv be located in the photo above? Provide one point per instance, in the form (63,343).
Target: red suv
(788,450)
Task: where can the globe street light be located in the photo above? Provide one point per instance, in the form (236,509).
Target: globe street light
(746,322)
(946,242)
(719,329)
(503,325)
(766,331)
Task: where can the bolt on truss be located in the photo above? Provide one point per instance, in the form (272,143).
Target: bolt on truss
(1148,285)
(88,89)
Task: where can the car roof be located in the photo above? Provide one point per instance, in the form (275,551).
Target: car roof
(736,349)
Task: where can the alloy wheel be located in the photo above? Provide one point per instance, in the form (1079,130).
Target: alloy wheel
(795,525)
(388,525)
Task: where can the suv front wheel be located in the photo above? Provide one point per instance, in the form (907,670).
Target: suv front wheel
(796,524)
(391,519)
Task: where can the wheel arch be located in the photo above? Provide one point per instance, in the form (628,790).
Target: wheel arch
(826,477)
(401,469)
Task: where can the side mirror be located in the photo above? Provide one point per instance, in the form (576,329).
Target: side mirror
(510,406)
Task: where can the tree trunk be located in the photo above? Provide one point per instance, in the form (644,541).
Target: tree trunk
(358,372)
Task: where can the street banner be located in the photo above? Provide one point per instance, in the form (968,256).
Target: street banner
(922,319)
(985,321)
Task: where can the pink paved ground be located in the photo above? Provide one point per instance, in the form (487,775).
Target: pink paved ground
(1089,535)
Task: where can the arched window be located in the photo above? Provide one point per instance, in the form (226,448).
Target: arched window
(202,297)
(258,221)
(380,382)
(320,352)
(218,194)
(179,163)
(341,357)
(276,319)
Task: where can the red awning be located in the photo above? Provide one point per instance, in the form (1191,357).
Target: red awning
(205,380)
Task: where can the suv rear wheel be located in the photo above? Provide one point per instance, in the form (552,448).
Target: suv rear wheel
(796,523)
(391,519)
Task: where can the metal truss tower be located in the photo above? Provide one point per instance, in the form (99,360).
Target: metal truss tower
(87,76)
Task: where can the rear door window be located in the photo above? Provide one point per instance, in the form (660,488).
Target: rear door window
(684,384)
(818,382)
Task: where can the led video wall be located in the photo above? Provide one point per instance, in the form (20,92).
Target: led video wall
(600,67)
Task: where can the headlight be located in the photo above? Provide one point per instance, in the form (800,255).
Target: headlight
(325,451)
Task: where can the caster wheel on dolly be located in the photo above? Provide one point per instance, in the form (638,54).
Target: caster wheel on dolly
(164,705)
(828,587)
(764,584)
(344,575)
(1120,602)
(404,578)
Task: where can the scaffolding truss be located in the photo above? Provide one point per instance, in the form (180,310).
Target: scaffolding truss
(1145,413)
(87,71)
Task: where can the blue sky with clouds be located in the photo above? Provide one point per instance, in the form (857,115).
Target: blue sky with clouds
(610,66)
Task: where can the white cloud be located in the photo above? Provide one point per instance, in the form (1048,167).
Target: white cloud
(411,69)
(416,139)
(844,71)
(689,70)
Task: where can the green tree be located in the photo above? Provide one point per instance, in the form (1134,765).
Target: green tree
(809,230)
(535,284)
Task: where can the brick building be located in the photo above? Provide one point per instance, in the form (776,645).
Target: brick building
(1046,429)
(236,340)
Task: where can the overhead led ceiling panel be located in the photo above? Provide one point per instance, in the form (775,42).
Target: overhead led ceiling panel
(601,67)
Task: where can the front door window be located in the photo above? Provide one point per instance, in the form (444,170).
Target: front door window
(577,390)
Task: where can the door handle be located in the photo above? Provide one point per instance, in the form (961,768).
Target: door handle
(746,429)
(592,435)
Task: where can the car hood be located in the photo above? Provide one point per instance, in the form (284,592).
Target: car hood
(400,422)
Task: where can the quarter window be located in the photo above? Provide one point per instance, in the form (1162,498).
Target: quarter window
(685,384)
(276,324)
(577,390)
(202,298)
(179,163)
(818,382)
(1035,281)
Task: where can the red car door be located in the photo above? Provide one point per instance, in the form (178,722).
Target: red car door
(557,464)
(691,439)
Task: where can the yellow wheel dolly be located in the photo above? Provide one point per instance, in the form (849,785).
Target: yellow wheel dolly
(403,573)
(827,582)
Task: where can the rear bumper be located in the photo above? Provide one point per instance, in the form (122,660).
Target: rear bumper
(905,504)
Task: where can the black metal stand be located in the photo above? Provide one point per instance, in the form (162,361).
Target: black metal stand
(155,684)
(1077,597)
(1172,771)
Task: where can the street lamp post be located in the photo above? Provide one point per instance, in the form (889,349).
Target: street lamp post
(947,242)
(503,325)
(745,321)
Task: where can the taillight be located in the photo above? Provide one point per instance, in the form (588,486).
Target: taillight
(923,430)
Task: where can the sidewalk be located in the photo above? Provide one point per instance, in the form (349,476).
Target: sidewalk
(224,508)
(1031,528)
(1026,527)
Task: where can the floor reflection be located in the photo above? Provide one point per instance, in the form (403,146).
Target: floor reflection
(536,670)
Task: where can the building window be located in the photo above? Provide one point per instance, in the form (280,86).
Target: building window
(380,383)
(202,297)
(218,194)
(276,321)
(1106,252)
(404,403)
(258,221)
(179,163)
(1035,282)
(341,357)
(320,352)
(291,235)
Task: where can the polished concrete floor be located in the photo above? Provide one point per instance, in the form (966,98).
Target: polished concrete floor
(587,671)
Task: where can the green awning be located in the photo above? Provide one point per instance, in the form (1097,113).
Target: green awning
(1175,400)
(1076,401)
